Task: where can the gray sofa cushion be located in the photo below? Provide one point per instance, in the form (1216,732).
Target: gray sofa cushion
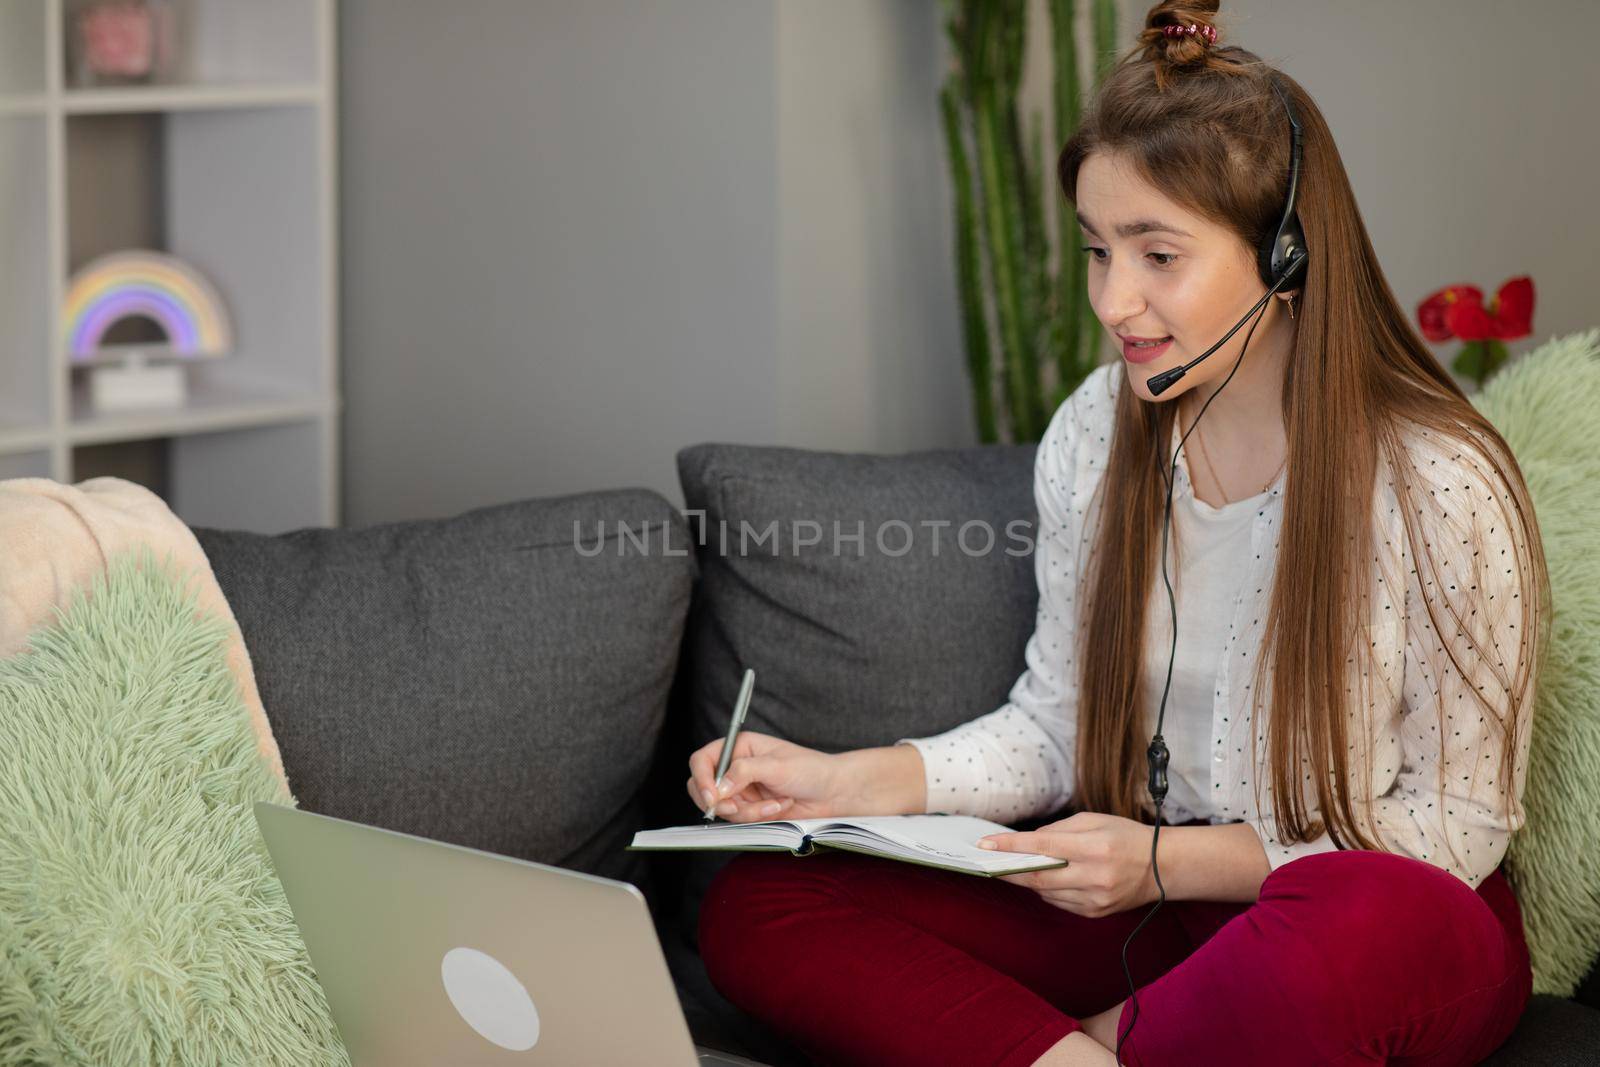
(1552,1032)
(481,679)
(905,634)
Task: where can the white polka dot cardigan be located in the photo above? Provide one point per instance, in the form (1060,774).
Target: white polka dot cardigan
(1018,761)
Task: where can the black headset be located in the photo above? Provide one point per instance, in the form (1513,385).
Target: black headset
(1280,259)
(1285,252)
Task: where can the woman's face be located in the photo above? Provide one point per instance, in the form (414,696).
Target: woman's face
(1178,276)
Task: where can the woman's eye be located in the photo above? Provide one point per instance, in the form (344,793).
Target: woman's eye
(1163,259)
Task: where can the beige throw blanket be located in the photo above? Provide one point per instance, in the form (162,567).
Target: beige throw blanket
(54,538)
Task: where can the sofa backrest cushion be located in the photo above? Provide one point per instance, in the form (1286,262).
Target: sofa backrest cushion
(915,627)
(497,679)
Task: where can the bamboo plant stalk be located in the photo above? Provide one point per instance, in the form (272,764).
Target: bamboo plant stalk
(1016,307)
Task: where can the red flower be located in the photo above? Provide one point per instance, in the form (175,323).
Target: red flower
(1458,311)
(1433,313)
(1513,310)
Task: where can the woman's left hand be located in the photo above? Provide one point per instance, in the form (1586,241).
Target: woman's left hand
(1108,863)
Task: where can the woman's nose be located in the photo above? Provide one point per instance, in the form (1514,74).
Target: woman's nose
(1117,300)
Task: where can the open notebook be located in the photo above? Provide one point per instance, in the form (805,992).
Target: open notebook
(947,841)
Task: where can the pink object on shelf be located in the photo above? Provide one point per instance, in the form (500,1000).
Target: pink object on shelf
(124,42)
(118,39)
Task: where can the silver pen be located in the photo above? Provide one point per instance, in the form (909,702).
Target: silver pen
(740,706)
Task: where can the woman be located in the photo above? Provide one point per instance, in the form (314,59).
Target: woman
(1362,604)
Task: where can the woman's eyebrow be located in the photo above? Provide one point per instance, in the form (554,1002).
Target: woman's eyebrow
(1136,227)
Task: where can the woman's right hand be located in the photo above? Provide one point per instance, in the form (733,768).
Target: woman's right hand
(768,778)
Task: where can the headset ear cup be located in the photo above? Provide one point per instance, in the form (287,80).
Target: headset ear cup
(1294,263)
(1295,250)
(1276,255)
(1285,251)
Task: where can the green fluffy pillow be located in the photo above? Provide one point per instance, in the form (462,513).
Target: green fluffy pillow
(1547,407)
(140,919)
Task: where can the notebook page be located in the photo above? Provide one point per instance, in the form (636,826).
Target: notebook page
(951,836)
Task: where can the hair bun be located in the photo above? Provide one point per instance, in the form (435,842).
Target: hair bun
(1180,34)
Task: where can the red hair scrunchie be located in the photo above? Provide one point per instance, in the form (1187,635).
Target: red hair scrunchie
(1191,30)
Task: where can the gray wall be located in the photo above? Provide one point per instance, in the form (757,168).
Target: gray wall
(580,236)
(559,233)
(868,331)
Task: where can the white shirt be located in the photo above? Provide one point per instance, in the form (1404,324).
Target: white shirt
(1207,565)
(1019,761)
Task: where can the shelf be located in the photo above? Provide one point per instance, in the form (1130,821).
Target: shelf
(229,161)
(187,98)
(219,45)
(210,408)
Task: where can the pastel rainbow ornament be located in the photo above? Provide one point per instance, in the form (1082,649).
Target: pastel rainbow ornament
(153,285)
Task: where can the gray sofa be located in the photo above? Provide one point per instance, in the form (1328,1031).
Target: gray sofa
(529,678)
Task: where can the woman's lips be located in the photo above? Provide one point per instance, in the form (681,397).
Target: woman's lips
(1144,355)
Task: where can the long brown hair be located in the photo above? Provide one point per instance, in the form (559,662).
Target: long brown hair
(1202,125)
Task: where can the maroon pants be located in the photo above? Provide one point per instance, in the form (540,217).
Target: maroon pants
(1346,957)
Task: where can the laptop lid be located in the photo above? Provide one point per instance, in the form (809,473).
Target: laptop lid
(433,953)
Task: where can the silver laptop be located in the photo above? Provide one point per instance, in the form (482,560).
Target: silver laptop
(436,954)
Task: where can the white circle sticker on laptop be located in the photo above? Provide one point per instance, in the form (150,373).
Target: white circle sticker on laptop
(490,998)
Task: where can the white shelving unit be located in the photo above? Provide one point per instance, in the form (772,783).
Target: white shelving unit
(232,167)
